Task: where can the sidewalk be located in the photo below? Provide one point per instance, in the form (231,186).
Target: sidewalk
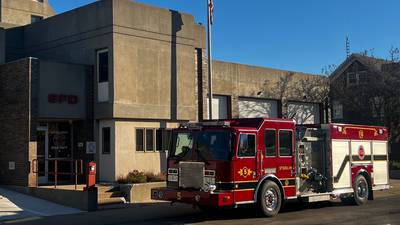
(16,206)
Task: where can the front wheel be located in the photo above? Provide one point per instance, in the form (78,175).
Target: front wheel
(361,190)
(270,199)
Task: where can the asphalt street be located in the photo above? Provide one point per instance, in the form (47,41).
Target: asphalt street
(384,210)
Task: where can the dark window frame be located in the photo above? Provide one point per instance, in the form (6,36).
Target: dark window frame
(105,146)
(102,78)
(165,139)
(255,145)
(275,144)
(143,149)
(152,131)
(36,18)
(291,143)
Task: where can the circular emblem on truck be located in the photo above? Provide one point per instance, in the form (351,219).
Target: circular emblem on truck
(361,152)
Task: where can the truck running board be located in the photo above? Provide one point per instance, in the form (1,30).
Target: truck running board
(316,197)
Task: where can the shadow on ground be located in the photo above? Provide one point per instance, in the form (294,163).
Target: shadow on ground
(243,213)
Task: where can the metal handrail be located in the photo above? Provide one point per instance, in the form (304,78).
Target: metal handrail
(35,169)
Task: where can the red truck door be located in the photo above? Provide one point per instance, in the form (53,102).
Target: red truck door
(286,171)
(279,154)
(245,168)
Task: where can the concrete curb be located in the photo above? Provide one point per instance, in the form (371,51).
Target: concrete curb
(140,193)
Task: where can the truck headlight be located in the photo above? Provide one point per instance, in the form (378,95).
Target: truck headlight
(212,188)
(172,177)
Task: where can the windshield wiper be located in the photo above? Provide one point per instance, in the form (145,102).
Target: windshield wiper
(185,151)
(201,156)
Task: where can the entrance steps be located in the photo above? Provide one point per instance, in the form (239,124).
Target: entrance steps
(110,197)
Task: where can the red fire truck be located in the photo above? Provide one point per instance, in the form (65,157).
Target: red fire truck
(267,161)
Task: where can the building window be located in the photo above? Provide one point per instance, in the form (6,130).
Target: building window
(360,77)
(102,75)
(140,140)
(351,78)
(247,145)
(270,142)
(163,137)
(337,110)
(35,19)
(106,137)
(149,139)
(102,65)
(285,143)
(220,107)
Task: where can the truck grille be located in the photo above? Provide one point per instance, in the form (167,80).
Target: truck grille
(191,175)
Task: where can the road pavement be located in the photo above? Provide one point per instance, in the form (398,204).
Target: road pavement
(384,210)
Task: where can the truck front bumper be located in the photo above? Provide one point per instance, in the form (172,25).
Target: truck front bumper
(193,197)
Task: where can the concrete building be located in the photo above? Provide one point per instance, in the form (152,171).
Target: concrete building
(22,12)
(119,76)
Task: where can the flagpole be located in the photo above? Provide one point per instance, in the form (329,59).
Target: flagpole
(210,93)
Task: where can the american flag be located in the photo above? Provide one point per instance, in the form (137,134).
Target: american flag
(211,10)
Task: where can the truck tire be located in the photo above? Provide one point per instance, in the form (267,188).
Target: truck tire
(361,190)
(270,199)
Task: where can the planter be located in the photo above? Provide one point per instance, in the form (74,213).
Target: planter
(139,193)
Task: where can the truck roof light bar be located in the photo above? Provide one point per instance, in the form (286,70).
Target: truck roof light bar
(217,123)
(205,124)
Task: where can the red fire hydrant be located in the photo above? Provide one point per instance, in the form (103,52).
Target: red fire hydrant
(91,176)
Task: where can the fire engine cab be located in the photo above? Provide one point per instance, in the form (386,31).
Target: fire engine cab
(267,161)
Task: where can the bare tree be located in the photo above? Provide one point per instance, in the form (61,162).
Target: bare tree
(297,88)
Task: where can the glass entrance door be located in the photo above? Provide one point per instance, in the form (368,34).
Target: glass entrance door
(60,151)
(42,154)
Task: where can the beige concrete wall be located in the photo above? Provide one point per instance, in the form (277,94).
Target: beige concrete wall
(151,52)
(154,55)
(84,31)
(238,80)
(19,12)
(127,158)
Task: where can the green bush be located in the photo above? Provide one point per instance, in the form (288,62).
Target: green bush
(136,177)
(152,177)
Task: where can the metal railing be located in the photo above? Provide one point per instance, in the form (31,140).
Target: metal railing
(77,163)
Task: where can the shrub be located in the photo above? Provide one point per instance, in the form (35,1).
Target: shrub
(133,177)
(136,177)
(152,177)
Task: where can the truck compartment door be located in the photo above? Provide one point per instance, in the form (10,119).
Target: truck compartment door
(341,164)
(380,162)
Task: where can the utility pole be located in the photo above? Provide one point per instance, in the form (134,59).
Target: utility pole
(210,9)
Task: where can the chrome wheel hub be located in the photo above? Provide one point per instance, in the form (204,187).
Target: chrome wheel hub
(271,199)
(362,189)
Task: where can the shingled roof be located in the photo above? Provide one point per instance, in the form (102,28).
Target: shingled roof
(371,62)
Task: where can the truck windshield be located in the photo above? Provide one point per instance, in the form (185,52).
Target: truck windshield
(210,145)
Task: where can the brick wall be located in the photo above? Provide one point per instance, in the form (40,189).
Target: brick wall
(17,142)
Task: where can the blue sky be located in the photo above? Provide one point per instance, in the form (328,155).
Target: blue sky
(298,35)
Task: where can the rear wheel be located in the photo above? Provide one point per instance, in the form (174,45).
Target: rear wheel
(270,199)
(361,190)
(360,195)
